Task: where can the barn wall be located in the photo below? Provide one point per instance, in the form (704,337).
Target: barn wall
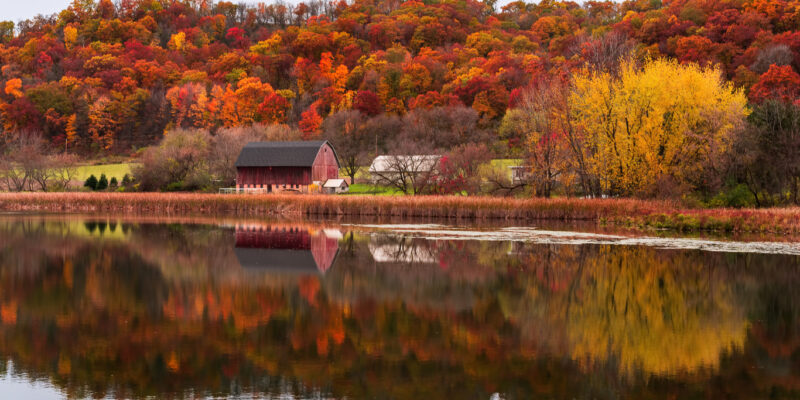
(273,176)
(325,166)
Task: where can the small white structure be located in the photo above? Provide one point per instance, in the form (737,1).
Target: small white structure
(385,168)
(419,163)
(335,186)
(520,174)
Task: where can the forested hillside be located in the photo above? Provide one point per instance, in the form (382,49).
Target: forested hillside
(110,77)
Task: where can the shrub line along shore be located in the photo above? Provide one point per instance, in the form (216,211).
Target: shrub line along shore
(623,212)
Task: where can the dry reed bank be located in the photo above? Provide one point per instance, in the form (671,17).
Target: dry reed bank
(627,212)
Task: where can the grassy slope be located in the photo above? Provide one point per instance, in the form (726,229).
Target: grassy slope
(365,188)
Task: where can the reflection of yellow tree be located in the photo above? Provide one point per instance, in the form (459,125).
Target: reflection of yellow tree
(658,314)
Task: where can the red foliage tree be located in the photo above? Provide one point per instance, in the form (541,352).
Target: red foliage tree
(780,82)
(697,49)
(310,121)
(368,103)
(458,170)
(274,108)
(471,89)
(237,38)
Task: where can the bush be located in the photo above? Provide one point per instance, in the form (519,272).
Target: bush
(182,156)
(126,180)
(113,183)
(174,187)
(91,182)
(737,196)
(102,184)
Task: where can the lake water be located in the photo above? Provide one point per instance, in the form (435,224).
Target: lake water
(121,307)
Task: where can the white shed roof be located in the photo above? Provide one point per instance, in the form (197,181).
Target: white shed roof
(334,183)
(417,162)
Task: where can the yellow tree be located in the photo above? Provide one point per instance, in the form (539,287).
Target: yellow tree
(177,41)
(70,36)
(250,93)
(269,46)
(659,127)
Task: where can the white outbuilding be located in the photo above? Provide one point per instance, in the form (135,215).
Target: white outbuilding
(335,186)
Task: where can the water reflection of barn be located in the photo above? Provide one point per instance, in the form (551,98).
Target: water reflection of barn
(286,249)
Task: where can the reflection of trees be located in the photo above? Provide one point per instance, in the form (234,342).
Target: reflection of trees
(400,249)
(169,309)
(653,312)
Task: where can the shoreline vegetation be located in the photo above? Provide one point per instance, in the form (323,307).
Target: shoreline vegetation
(631,213)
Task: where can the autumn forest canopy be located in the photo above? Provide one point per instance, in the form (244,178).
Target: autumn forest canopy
(638,98)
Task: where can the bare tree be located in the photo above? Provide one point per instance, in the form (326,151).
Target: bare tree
(776,54)
(64,167)
(41,173)
(440,128)
(379,129)
(13,179)
(766,154)
(555,145)
(24,162)
(605,53)
(498,181)
(547,145)
(411,174)
(345,130)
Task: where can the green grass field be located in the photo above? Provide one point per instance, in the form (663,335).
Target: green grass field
(364,188)
(111,171)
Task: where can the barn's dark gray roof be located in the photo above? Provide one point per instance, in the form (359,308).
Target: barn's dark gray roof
(279,154)
(277,260)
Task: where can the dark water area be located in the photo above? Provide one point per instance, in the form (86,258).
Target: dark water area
(133,308)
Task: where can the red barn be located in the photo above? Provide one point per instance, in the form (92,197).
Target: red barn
(286,166)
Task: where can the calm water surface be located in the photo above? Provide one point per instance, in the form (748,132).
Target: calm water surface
(132,308)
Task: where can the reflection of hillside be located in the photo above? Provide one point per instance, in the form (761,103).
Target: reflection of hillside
(169,308)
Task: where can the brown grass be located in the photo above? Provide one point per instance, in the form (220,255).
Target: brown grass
(627,212)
